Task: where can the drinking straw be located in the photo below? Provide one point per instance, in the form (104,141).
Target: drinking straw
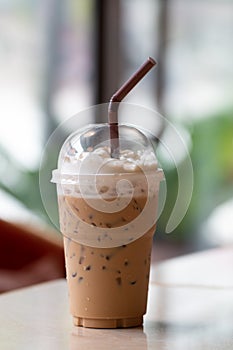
(118,97)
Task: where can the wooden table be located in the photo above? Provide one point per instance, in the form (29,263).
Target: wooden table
(190,307)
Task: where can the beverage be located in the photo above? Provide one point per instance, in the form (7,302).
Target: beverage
(111,282)
(108,218)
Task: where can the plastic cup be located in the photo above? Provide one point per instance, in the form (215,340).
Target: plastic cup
(107,211)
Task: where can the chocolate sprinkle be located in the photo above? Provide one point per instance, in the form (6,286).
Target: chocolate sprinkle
(118,280)
(80,279)
(81,260)
(74,274)
(133,282)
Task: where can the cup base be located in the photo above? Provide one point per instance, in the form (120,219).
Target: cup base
(108,323)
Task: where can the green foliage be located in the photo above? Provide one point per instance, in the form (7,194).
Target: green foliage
(21,183)
(212,159)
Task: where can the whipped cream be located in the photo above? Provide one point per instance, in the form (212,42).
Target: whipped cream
(100,161)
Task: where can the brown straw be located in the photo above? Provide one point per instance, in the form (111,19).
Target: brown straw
(118,97)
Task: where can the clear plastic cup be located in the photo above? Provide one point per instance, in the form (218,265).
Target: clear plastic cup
(107,211)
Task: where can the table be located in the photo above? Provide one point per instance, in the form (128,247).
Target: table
(190,307)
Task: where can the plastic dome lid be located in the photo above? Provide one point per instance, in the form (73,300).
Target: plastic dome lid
(87,152)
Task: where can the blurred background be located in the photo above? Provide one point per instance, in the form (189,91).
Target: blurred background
(60,57)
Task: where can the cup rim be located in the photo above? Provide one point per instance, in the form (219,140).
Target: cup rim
(72,179)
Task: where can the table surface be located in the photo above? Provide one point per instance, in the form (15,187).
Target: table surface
(190,306)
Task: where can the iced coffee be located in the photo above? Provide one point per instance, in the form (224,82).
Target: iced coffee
(107,210)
